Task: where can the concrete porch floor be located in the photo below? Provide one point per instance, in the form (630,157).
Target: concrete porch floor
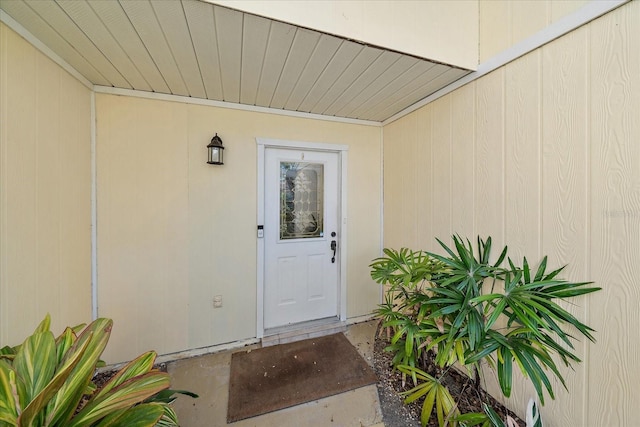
(208,376)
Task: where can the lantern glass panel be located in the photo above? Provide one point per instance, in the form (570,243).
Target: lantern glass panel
(215,155)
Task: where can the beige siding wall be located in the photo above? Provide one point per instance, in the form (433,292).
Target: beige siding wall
(543,155)
(442,30)
(45,192)
(504,23)
(174,231)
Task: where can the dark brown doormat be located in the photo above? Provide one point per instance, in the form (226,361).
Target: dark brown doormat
(285,375)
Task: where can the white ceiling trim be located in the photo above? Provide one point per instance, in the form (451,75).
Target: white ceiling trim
(582,16)
(230,105)
(24,33)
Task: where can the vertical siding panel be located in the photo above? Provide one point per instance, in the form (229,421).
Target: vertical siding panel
(4,291)
(489,195)
(506,23)
(118,154)
(522,183)
(74,201)
(401,186)
(527,18)
(215,271)
(202,219)
(150,216)
(441,164)
(564,150)
(48,171)
(615,206)
(21,201)
(494,29)
(409,182)
(462,160)
(562,8)
(522,135)
(393,194)
(424,179)
(35,96)
(161,207)
(175,178)
(144,150)
(564,183)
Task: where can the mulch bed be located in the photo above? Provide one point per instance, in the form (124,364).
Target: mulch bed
(461,387)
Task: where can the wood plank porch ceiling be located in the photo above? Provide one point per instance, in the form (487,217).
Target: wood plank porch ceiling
(201,50)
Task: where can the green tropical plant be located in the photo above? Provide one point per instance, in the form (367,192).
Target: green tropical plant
(468,309)
(435,395)
(47,381)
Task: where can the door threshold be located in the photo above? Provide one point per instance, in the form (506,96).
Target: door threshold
(302,331)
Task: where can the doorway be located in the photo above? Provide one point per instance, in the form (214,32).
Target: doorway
(301,234)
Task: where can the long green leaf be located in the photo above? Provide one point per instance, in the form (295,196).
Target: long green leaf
(35,364)
(471,419)
(505,371)
(484,249)
(129,393)
(441,411)
(526,271)
(112,419)
(9,406)
(485,297)
(64,405)
(139,366)
(574,290)
(408,345)
(417,392)
(64,343)
(466,255)
(8,353)
(493,416)
(497,311)
(45,325)
(449,251)
(44,397)
(531,368)
(541,268)
(419,373)
(427,407)
(169,418)
(482,351)
(447,403)
(145,415)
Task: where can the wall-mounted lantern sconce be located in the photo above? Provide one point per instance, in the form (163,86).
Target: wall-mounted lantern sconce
(216,151)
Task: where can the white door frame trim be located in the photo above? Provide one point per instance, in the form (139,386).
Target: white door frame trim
(342,151)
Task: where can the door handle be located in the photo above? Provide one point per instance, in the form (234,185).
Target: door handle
(334,246)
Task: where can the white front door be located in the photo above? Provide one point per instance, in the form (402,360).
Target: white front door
(301,262)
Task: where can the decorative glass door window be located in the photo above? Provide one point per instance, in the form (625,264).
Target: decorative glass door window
(301,200)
